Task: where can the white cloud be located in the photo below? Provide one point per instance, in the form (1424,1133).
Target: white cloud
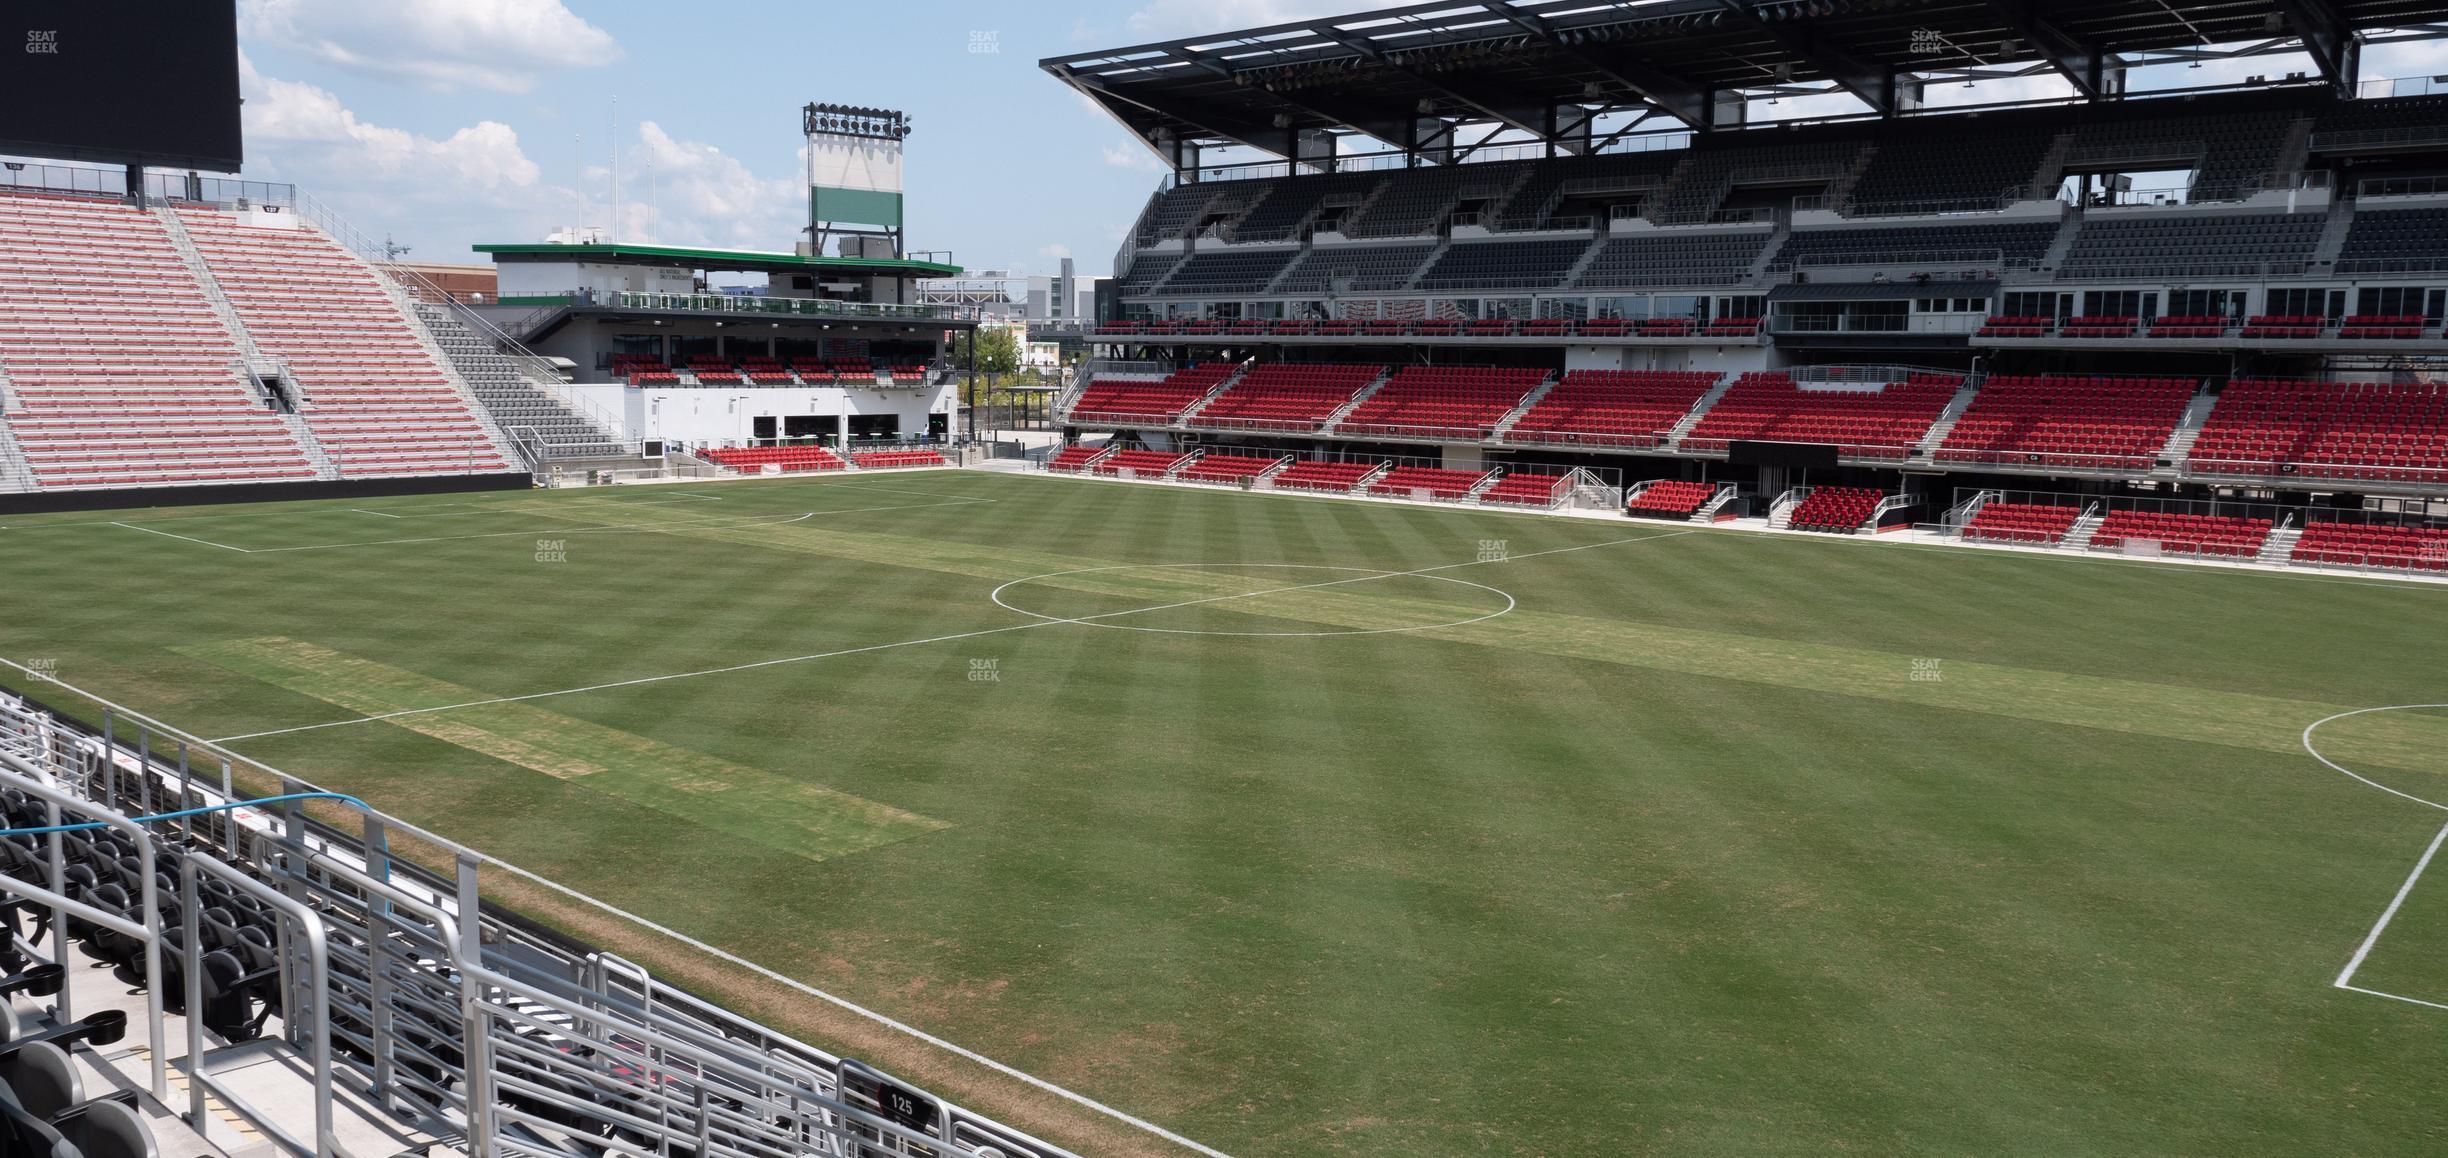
(681,192)
(303,125)
(443,44)
(1057,251)
(1133,155)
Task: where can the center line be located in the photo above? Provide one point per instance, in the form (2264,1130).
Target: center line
(874,647)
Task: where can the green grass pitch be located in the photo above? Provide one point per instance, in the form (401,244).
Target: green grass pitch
(1643,839)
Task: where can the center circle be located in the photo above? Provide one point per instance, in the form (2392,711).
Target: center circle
(2316,753)
(1327,578)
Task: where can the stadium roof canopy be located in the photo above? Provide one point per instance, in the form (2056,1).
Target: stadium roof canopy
(719,260)
(1542,67)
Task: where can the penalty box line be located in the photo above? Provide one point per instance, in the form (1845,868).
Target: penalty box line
(876,647)
(2371,940)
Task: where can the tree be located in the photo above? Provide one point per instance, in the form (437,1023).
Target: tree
(998,352)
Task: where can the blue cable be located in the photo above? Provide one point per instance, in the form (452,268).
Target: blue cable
(93,824)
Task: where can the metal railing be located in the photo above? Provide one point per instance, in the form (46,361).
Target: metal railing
(2424,186)
(796,307)
(445,1013)
(2408,136)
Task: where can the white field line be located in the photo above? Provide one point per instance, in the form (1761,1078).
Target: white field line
(700,524)
(2345,977)
(1078,1099)
(875,647)
(376,514)
(168,535)
(2389,914)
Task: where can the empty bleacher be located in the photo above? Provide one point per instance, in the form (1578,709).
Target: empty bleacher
(897,459)
(376,397)
(1354,267)
(2020,242)
(1431,482)
(1288,205)
(1210,272)
(1074,458)
(2178,244)
(1940,166)
(1835,510)
(1227,468)
(1155,401)
(1538,264)
(2396,548)
(1449,402)
(121,372)
(1417,201)
(2044,524)
(1670,499)
(1866,421)
(1524,488)
(2182,534)
(264,966)
(1142,463)
(2396,240)
(2100,423)
(786,459)
(1286,396)
(1672,259)
(1324,476)
(1612,407)
(2228,152)
(2335,430)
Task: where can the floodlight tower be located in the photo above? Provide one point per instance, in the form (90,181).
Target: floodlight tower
(854,178)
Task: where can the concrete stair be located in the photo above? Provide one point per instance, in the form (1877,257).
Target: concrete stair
(1505,424)
(1353,403)
(2280,546)
(2188,431)
(1699,410)
(2078,536)
(513,401)
(1213,394)
(1928,446)
(2333,233)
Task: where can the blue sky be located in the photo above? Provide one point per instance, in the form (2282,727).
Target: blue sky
(449,122)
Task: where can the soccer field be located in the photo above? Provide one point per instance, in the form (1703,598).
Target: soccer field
(1307,826)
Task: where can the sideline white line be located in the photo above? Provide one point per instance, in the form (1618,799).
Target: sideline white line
(2393,996)
(1078,1099)
(1029,626)
(2372,939)
(2389,914)
(376,514)
(168,535)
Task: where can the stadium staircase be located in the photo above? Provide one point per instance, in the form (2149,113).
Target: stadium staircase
(2078,538)
(1582,263)
(1505,425)
(260,367)
(14,474)
(1216,392)
(1427,263)
(2051,173)
(2280,546)
(1927,449)
(1780,513)
(1707,512)
(1353,403)
(2063,243)
(2332,243)
(1699,410)
(373,386)
(534,416)
(2188,430)
(1769,249)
